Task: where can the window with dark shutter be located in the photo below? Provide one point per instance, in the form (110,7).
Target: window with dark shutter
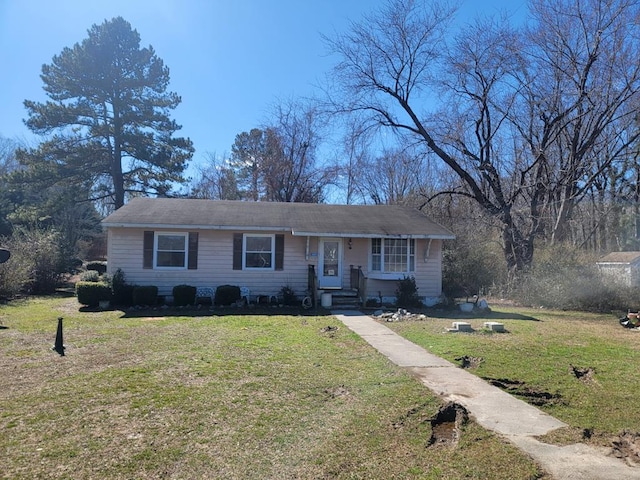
(193,251)
(258,251)
(147,254)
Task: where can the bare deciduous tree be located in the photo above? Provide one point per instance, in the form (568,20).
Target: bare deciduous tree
(395,177)
(519,117)
(217,180)
(581,86)
(292,171)
(8,160)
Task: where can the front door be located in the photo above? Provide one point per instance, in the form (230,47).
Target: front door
(330,263)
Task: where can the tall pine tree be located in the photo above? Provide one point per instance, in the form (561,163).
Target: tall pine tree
(107,123)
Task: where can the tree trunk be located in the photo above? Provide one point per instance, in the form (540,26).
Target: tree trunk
(518,250)
(116,174)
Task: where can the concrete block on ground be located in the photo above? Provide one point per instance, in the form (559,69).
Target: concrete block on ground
(494,326)
(462,327)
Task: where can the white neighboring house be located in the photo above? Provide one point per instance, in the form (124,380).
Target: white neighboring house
(264,246)
(621,267)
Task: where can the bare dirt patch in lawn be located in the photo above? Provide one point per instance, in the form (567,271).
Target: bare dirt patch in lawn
(447,425)
(627,446)
(531,395)
(337,392)
(585,375)
(467,361)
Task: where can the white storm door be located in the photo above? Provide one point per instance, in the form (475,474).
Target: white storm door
(330,263)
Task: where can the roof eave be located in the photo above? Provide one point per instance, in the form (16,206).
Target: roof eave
(296,233)
(438,236)
(174,226)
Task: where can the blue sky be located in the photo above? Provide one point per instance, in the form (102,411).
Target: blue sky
(230,60)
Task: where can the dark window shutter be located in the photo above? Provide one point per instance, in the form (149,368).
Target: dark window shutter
(237,251)
(193,251)
(279,252)
(147,254)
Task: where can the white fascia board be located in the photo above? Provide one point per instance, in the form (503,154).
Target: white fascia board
(194,227)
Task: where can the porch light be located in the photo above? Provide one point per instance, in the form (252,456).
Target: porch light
(349,243)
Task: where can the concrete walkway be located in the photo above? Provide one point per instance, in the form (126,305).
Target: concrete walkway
(491,407)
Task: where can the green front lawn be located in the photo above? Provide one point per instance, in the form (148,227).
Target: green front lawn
(535,358)
(233,397)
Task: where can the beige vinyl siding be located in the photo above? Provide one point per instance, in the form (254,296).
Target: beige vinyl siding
(428,272)
(215,264)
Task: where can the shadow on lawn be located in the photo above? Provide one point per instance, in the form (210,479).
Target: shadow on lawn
(454,314)
(207,311)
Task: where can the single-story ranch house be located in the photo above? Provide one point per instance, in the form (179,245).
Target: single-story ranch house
(265,246)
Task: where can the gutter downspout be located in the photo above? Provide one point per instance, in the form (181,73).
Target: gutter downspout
(427,250)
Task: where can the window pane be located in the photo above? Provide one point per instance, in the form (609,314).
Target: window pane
(412,255)
(376,257)
(395,255)
(171,259)
(330,259)
(171,242)
(376,245)
(258,260)
(258,244)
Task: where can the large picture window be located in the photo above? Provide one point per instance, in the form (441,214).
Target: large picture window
(258,251)
(171,250)
(393,255)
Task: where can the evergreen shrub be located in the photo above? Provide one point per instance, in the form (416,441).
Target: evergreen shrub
(407,293)
(145,295)
(227,295)
(184,295)
(92,293)
(90,276)
(122,291)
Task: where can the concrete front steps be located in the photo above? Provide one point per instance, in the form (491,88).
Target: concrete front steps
(343,298)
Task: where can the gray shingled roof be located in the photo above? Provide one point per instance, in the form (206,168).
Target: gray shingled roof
(297,218)
(620,257)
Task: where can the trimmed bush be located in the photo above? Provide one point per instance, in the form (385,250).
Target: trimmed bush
(90,276)
(92,293)
(122,291)
(184,295)
(227,295)
(407,293)
(145,295)
(100,267)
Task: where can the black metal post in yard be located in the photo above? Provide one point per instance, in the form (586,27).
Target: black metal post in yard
(59,345)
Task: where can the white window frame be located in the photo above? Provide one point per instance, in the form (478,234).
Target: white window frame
(185,236)
(382,273)
(271,236)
